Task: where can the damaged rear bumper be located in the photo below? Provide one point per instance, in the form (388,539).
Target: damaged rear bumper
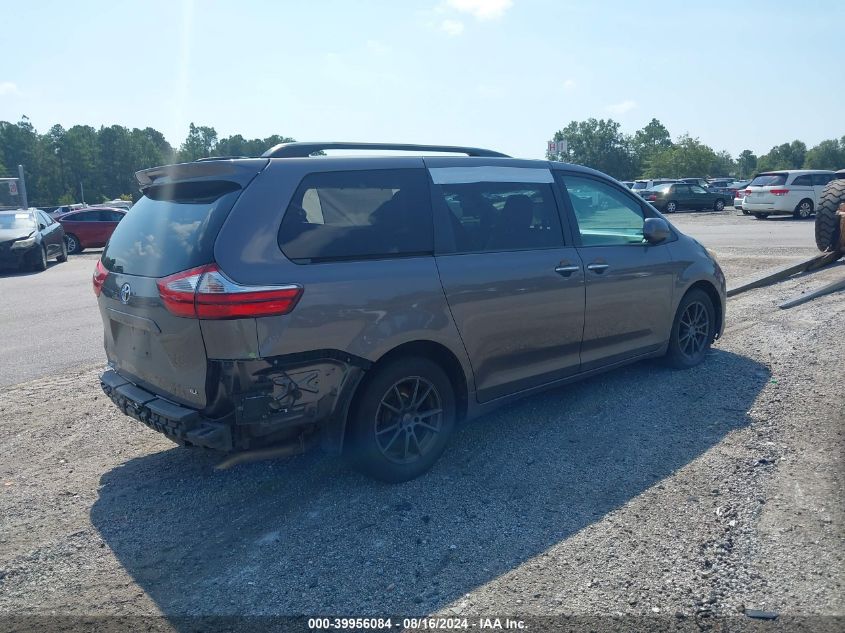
(254,403)
(175,421)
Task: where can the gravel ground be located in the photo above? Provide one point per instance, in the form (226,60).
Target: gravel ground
(683,495)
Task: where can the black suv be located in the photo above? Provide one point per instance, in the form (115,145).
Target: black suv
(370,303)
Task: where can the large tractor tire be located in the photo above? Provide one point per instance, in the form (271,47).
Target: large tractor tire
(827,222)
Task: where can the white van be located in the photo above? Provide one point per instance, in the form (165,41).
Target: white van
(791,191)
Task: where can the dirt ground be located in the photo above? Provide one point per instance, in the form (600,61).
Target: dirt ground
(684,496)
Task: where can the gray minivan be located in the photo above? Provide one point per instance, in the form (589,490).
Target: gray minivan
(368,303)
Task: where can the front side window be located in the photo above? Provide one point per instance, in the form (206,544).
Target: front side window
(358,215)
(606,216)
(501,216)
(822,179)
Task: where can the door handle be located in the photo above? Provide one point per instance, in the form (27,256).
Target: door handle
(598,268)
(566,270)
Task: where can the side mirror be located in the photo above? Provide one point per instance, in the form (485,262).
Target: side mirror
(656,230)
(41,226)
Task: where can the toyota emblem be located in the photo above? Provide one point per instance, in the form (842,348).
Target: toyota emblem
(125,293)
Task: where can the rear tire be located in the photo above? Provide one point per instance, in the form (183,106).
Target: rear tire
(719,205)
(402,420)
(827,222)
(693,330)
(761,216)
(804,210)
(73,244)
(671,207)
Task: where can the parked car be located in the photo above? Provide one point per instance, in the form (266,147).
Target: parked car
(117,203)
(736,190)
(701,182)
(65,208)
(628,183)
(670,198)
(28,238)
(370,303)
(789,192)
(89,228)
(642,185)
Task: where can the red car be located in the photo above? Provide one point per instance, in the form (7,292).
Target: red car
(90,227)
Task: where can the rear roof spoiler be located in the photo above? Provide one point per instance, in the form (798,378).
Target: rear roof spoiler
(239,171)
(302,150)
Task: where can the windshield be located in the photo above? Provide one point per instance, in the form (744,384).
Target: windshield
(13,220)
(640,184)
(769,180)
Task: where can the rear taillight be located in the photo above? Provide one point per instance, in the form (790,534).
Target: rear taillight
(652,197)
(99,278)
(747,192)
(206,293)
(778,192)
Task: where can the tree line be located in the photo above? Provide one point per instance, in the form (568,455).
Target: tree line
(63,165)
(651,153)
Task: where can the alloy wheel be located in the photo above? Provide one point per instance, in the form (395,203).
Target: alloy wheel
(71,243)
(670,207)
(693,330)
(408,420)
(805,209)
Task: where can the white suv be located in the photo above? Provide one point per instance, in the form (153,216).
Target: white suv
(794,191)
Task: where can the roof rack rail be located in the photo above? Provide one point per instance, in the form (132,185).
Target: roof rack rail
(208,158)
(301,150)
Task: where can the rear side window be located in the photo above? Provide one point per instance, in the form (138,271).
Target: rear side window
(502,216)
(769,180)
(805,180)
(358,215)
(171,229)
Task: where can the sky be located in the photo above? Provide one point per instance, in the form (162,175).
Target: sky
(503,74)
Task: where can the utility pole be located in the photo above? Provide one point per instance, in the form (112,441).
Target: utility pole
(22,188)
(82,192)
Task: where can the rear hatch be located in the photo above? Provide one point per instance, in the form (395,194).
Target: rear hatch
(765,188)
(171,229)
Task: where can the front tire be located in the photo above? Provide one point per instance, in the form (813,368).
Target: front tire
(693,330)
(804,210)
(39,260)
(63,257)
(402,420)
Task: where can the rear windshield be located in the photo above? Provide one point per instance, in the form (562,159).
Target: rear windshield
(172,228)
(769,180)
(663,187)
(358,214)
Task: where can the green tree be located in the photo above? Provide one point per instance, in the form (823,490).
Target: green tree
(687,157)
(785,156)
(746,163)
(723,165)
(597,143)
(829,154)
(200,143)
